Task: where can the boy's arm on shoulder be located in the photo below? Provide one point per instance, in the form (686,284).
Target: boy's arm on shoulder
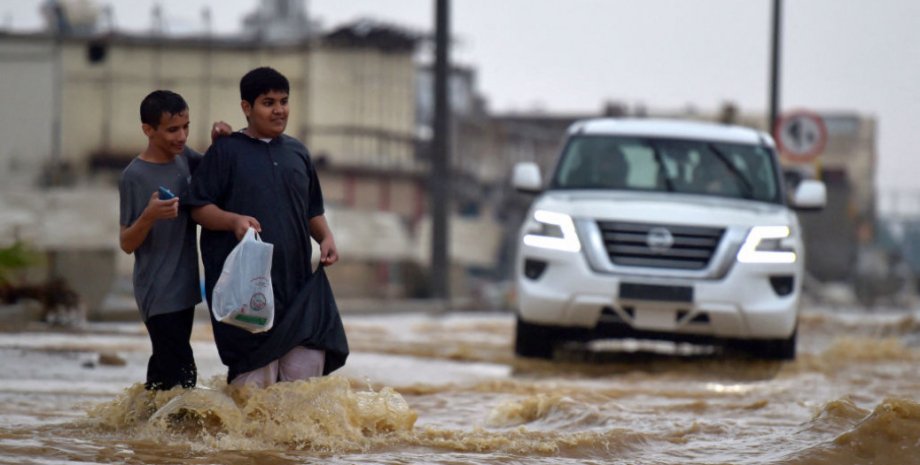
(220,129)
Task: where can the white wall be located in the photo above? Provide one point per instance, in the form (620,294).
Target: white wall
(26,99)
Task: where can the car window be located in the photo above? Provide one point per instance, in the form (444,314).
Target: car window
(686,166)
(644,171)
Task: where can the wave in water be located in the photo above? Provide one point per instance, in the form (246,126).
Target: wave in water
(890,434)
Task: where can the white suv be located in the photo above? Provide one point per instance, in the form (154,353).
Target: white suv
(660,229)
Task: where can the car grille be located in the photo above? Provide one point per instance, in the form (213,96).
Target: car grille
(659,245)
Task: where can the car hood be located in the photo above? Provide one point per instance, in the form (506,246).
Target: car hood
(663,207)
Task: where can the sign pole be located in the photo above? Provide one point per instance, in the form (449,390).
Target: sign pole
(774,63)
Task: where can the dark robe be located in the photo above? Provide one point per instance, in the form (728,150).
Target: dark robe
(275,183)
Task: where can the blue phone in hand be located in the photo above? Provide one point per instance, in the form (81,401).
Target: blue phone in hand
(165,194)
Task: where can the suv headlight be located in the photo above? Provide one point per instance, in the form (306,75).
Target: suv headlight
(554,231)
(768,244)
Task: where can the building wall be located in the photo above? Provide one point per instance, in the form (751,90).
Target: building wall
(350,105)
(353,106)
(851,147)
(101,99)
(363,107)
(27,93)
(375,191)
(409,199)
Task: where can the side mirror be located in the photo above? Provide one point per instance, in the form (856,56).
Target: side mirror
(526,177)
(810,194)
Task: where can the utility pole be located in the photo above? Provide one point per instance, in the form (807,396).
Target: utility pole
(60,28)
(775,62)
(439,181)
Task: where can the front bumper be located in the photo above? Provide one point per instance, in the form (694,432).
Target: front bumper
(741,304)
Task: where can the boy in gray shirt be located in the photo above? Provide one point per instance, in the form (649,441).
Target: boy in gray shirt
(161,235)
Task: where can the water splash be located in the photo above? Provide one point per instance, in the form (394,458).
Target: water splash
(323,414)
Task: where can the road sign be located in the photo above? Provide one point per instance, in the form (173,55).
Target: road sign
(800,135)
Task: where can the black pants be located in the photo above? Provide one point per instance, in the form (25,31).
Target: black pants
(172,363)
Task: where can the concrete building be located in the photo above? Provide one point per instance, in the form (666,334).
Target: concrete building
(352,102)
(279,21)
(27,90)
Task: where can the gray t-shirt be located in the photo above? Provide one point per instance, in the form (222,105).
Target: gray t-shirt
(166,263)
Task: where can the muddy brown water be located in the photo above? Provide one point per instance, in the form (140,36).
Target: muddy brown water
(421,389)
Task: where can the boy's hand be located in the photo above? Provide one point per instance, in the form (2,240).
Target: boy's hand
(220,129)
(161,209)
(328,253)
(242,223)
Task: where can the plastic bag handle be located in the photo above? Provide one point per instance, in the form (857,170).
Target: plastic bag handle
(251,234)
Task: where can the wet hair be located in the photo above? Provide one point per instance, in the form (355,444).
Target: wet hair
(158,102)
(262,81)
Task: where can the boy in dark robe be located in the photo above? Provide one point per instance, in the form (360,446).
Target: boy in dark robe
(264,179)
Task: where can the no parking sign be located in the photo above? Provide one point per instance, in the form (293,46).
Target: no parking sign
(800,135)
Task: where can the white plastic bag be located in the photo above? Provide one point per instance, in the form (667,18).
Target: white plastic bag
(243,294)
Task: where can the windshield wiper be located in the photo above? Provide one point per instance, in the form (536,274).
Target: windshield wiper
(661,167)
(744,182)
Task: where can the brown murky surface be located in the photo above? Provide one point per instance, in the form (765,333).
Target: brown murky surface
(447,390)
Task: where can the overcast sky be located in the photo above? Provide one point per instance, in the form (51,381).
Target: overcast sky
(572,55)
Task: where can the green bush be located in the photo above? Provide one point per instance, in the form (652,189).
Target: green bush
(16,257)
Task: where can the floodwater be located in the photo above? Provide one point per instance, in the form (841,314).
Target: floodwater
(422,389)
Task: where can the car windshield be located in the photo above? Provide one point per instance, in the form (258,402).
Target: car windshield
(668,165)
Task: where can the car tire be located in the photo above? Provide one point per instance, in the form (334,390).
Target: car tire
(535,341)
